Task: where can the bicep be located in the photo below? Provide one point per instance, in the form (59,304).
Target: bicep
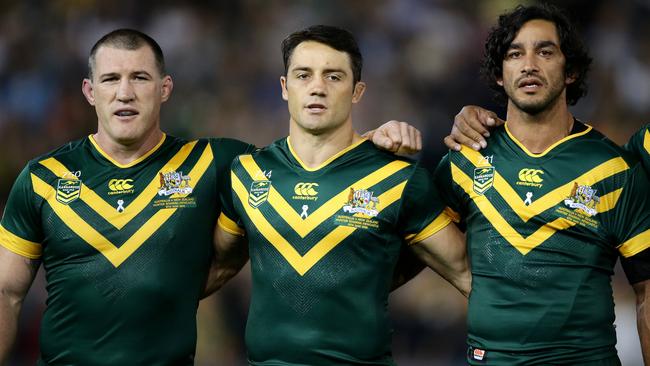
(16,273)
(445,247)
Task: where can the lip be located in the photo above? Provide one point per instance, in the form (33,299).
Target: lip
(128,113)
(316,108)
(530,83)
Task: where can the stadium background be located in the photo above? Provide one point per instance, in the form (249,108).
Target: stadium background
(421,66)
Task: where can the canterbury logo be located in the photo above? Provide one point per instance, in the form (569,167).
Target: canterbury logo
(305,189)
(120,184)
(531,175)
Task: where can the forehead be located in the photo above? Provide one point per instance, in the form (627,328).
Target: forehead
(110,59)
(537,30)
(311,54)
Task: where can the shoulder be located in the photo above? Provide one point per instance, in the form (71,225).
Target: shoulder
(74,149)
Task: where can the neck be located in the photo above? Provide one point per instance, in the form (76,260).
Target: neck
(125,153)
(539,131)
(315,149)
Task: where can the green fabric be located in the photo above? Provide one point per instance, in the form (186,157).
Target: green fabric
(332,310)
(541,269)
(129,309)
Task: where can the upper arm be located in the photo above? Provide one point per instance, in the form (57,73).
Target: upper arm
(444,248)
(16,274)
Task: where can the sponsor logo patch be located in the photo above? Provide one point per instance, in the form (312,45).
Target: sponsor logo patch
(305,191)
(530,178)
(120,186)
(68,190)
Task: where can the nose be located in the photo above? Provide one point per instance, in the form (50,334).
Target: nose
(317,87)
(530,64)
(125,92)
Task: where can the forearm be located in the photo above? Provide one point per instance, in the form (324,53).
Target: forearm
(9,310)
(643,321)
(222,270)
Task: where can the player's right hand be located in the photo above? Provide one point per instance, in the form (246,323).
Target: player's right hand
(471,126)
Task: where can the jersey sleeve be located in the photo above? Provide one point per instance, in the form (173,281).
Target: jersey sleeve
(422,212)
(639,146)
(445,185)
(20,227)
(225,151)
(629,224)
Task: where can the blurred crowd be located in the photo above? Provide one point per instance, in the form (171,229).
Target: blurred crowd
(421,65)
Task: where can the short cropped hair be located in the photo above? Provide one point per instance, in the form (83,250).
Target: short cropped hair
(127,39)
(500,37)
(337,38)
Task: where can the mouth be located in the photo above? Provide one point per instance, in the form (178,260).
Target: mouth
(316,108)
(530,84)
(126,113)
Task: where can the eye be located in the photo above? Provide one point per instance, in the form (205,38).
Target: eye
(545,52)
(302,76)
(513,54)
(333,77)
(109,79)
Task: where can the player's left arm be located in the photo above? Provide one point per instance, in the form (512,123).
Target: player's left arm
(230,256)
(396,137)
(445,252)
(642,290)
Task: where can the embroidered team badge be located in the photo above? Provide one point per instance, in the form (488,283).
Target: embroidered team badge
(174,183)
(259,192)
(483,179)
(583,198)
(362,201)
(68,190)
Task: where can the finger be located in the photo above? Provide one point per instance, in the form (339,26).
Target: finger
(382,140)
(404,133)
(451,143)
(393,132)
(412,140)
(418,140)
(467,135)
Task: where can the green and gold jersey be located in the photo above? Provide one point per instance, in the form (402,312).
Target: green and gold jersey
(126,248)
(639,145)
(544,232)
(323,245)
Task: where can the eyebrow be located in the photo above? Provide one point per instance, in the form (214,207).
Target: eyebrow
(538,44)
(309,69)
(115,74)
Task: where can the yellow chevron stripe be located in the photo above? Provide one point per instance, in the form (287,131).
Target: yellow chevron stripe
(107,211)
(523,245)
(18,245)
(134,162)
(304,227)
(635,245)
(541,204)
(94,238)
(646,141)
(302,264)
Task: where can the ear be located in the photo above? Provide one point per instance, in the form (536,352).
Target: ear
(499,81)
(167,87)
(359,89)
(283,83)
(570,79)
(88,91)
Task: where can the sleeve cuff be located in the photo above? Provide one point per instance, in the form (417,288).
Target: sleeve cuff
(635,245)
(20,246)
(436,225)
(230,226)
